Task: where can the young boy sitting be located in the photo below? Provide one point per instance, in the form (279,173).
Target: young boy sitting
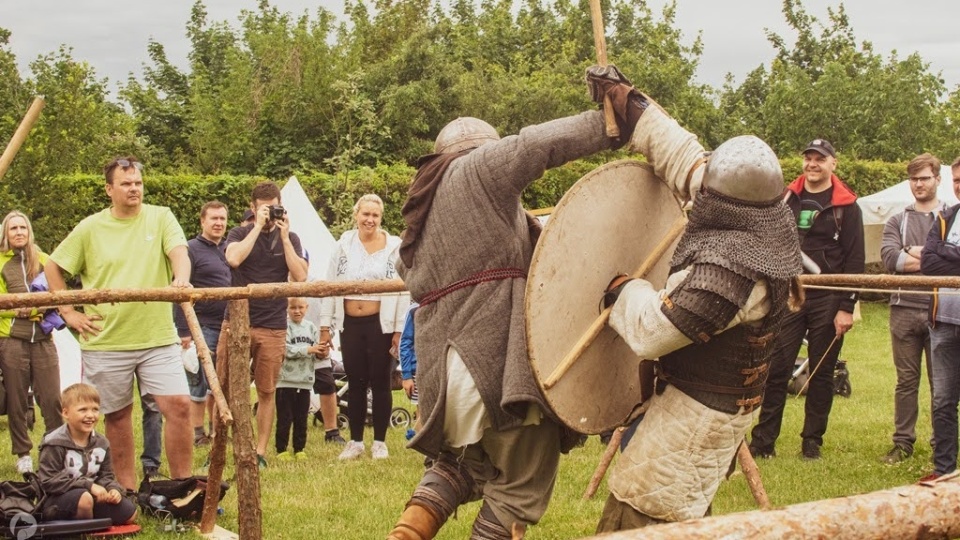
(296,380)
(75,467)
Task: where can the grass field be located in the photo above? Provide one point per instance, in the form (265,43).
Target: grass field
(323,498)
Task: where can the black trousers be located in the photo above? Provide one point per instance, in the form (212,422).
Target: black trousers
(367,362)
(815,322)
(293,407)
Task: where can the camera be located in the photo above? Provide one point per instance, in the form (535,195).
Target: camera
(276,212)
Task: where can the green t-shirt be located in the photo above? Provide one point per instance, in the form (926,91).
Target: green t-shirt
(111,253)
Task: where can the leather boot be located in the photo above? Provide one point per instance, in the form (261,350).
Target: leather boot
(416,523)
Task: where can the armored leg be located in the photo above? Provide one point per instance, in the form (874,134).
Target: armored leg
(444,487)
(619,516)
(488,527)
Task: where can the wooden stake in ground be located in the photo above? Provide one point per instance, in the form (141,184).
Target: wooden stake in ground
(244,447)
(752,473)
(218,460)
(20,134)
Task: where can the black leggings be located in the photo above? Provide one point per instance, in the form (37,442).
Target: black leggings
(366,360)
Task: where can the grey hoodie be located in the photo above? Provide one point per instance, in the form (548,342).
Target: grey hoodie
(64,465)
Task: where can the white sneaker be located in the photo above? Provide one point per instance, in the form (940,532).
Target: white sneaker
(353,450)
(379,450)
(25,464)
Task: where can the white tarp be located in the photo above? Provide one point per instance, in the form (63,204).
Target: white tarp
(880,206)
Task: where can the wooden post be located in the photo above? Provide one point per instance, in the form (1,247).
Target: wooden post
(244,448)
(218,460)
(206,362)
(20,134)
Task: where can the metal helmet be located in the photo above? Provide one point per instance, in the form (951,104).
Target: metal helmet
(745,168)
(462,134)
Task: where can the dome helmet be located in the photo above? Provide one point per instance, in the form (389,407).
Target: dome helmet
(464,133)
(745,168)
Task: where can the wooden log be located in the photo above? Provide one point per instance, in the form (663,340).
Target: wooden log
(244,443)
(206,362)
(218,460)
(879,281)
(172,294)
(920,511)
(20,134)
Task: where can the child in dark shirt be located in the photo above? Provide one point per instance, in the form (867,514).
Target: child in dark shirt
(75,467)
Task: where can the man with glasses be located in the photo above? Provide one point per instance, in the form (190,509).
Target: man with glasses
(831,236)
(941,257)
(130,245)
(903,238)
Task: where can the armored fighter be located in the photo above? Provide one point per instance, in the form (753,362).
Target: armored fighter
(711,327)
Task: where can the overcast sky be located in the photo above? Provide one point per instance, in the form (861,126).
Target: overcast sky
(112,35)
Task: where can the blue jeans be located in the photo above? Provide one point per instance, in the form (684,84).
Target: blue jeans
(945,360)
(199,387)
(152,432)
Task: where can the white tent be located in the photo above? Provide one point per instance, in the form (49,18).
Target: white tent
(316,239)
(880,206)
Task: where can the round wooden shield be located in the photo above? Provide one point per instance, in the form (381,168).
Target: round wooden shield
(608,223)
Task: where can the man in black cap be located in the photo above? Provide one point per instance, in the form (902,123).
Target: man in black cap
(831,236)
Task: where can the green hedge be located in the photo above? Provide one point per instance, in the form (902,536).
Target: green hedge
(57,205)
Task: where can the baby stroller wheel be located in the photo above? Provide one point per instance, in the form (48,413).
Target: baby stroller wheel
(342,421)
(400,417)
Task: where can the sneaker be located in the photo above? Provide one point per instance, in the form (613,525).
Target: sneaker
(202,440)
(301,455)
(896,455)
(379,450)
(261,462)
(150,472)
(285,456)
(762,452)
(929,478)
(334,437)
(353,450)
(25,464)
(810,449)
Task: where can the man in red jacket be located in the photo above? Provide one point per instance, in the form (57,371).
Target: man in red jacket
(831,236)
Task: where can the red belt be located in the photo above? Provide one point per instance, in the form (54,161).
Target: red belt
(495,274)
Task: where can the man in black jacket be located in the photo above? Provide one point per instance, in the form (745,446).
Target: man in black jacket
(831,236)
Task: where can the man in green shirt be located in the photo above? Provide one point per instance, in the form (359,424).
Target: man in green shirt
(130,245)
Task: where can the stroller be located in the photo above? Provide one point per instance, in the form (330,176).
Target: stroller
(399,417)
(801,372)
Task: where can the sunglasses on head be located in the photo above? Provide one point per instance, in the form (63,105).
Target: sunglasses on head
(125,164)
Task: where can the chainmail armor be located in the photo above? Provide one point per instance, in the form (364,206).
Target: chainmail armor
(730,245)
(758,236)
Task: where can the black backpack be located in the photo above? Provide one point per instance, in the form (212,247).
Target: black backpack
(21,498)
(179,498)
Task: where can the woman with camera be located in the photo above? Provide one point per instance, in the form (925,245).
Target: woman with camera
(29,357)
(370,325)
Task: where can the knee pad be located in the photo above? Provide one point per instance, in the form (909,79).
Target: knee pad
(444,487)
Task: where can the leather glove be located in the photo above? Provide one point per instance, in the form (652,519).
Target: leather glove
(601,79)
(627,103)
(614,289)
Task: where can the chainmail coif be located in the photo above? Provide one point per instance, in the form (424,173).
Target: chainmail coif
(759,236)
